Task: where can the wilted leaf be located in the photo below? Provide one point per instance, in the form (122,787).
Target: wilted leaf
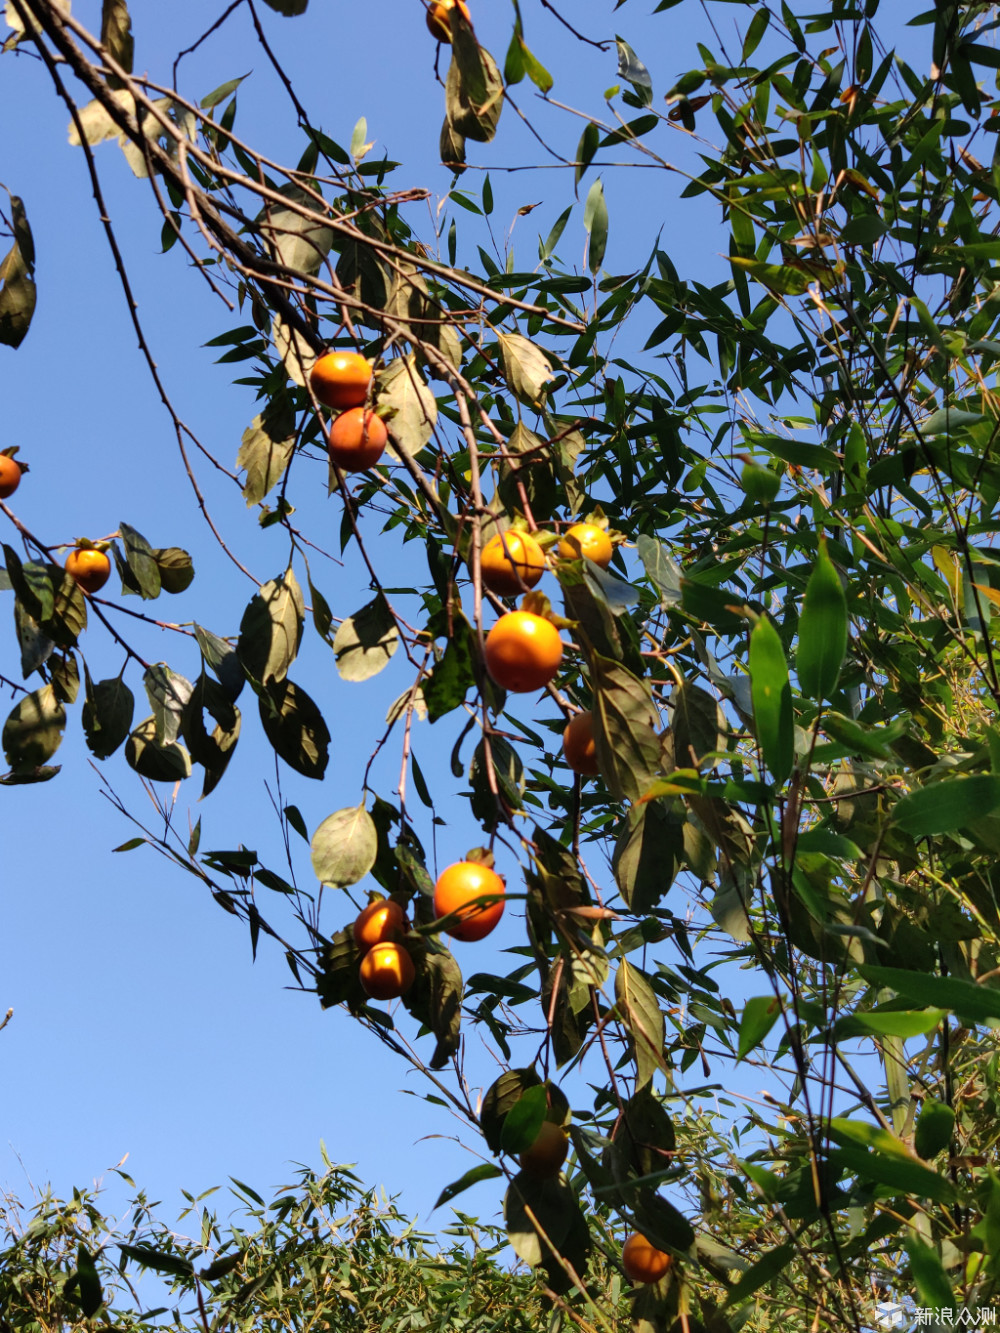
(473,88)
(168,695)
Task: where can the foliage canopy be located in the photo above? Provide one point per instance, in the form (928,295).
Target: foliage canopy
(789,661)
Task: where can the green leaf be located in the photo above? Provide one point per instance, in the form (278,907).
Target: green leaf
(934,1128)
(33,730)
(759,1016)
(485,1171)
(366,641)
(141,562)
(155,761)
(107,715)
(822,641)
(762,1272)
(524,1120)
(266,449)
(595,222)
(88,1283)
(947,804)
(965,998)
(929,1278)
(18,294)
(344,847)
(174,1265)
(296,728)
(271,630)
(625,729)
(772,698)
(641,1015)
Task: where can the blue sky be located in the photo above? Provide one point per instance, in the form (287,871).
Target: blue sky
(139,1025)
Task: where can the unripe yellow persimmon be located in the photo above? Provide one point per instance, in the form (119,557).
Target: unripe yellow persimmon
(642,1261)
(386,971)
(510,562)
(589,541)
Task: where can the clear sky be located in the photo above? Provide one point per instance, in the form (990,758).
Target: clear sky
(140,1026)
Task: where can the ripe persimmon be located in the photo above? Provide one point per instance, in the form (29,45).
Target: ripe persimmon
(523,651)
(642,1261)
(548,1152)
(439,17)
(510,562)
(456,890)
(356,440)
(589,541)
(386,971)
(10,476)
(91,568)
(579,750)
(382,921)
(341,379)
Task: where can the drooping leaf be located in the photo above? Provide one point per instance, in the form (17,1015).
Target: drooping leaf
(295,728)
(625,729)
(271,630)
(772,698)
(141,562)
(266,449)
(822,629)
(18,294)
(641,1014)
(107,715)
(526,367)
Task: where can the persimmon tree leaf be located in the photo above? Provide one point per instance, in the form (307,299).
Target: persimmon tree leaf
(108,709)
(344,847)
(295,728)
(271,630)
(365,642)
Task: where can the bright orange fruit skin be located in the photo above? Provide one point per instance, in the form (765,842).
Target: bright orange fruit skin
(10,476)
(386,971)
(455,889)
(510,571)
(546,1155)
(588,540)
(381,922)
(644,1262)
(90,568)
(579,750)
(341,379)
(523,651)
(357,439)
(438,21)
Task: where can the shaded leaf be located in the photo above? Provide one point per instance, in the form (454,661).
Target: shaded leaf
(107,715)
(365,642)
(295,727)
(271,630)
